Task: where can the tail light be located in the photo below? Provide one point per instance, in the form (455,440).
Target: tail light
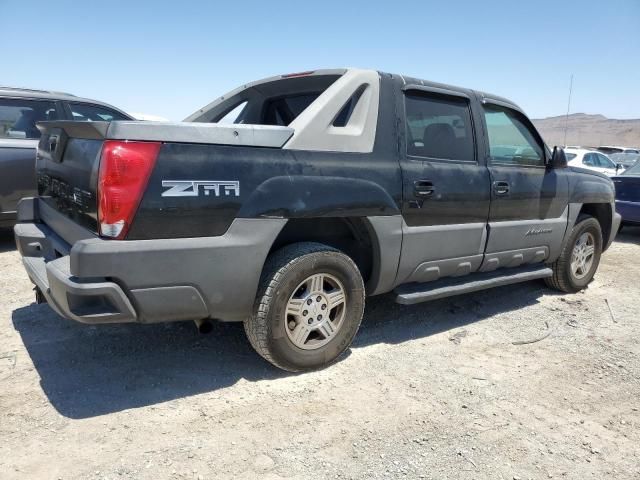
(124,172)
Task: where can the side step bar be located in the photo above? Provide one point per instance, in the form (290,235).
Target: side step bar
(424,292)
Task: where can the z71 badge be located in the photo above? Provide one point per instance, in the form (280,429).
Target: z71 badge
(192,188)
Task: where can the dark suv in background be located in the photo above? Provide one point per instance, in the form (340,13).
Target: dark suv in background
(20,109)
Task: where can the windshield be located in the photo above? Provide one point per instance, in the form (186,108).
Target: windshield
(570,156)
(626,159)
(633,171)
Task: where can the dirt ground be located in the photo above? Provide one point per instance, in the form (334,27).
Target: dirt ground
(433,391)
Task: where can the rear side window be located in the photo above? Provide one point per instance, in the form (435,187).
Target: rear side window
(18,117)
(83,112)
(511,140)
(590,159)
(570,156)
(438,126)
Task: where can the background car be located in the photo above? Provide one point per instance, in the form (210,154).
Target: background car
(611,149)
(628,195)
(627,160)
(591,160)
(20,109)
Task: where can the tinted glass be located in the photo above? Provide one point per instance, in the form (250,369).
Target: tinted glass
(570,156)
(18,117)
(511,140)
(91,113)
(439,127)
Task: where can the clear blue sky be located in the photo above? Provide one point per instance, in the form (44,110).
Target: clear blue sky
(170,58)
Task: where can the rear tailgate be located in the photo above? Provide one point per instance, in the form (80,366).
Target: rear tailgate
(67,168)
(68,159)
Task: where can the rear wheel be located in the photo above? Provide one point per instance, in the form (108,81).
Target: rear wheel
(308,308)
(580,257)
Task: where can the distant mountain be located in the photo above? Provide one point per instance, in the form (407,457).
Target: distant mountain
(589,130)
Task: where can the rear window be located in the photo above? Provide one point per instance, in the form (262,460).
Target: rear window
(18,117)
(84,112)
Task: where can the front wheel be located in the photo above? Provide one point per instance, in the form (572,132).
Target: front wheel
(580,257)
(308,308)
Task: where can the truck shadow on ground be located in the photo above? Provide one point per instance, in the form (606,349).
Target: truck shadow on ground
(86,371)
(7,241)
(629,235)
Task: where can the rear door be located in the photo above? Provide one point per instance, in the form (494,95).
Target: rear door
(18,142)
(529,202)
(445,186)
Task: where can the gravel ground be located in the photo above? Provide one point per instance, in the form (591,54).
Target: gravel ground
(436,390)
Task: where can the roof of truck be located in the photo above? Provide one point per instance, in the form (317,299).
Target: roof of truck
(452,88)
(406,80)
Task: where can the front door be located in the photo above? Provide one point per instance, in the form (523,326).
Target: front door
(18,142)
(446,186)
(529,202)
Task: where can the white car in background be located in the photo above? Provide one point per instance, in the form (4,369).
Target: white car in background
(592,160)
(148,118)
(609,149)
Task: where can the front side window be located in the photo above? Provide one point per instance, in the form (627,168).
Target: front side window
(18,117)
(604,162)
(439,126)
(83,112)
(511,139)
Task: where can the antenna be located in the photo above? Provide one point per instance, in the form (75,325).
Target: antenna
(566,119)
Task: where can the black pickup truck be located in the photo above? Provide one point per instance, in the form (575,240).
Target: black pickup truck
(286,202)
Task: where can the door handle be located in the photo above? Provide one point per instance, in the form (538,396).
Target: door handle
(53,143)
(423,188)
(501,188)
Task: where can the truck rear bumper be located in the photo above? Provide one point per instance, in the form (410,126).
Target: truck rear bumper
(615,226)
(107,281)
(95,302)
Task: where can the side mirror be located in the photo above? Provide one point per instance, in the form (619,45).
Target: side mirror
(619,166)
(558,159)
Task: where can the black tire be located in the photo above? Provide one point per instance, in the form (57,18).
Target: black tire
(563,278)
(282,274)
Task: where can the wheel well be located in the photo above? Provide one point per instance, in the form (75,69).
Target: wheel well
(602,213)
(353,236)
